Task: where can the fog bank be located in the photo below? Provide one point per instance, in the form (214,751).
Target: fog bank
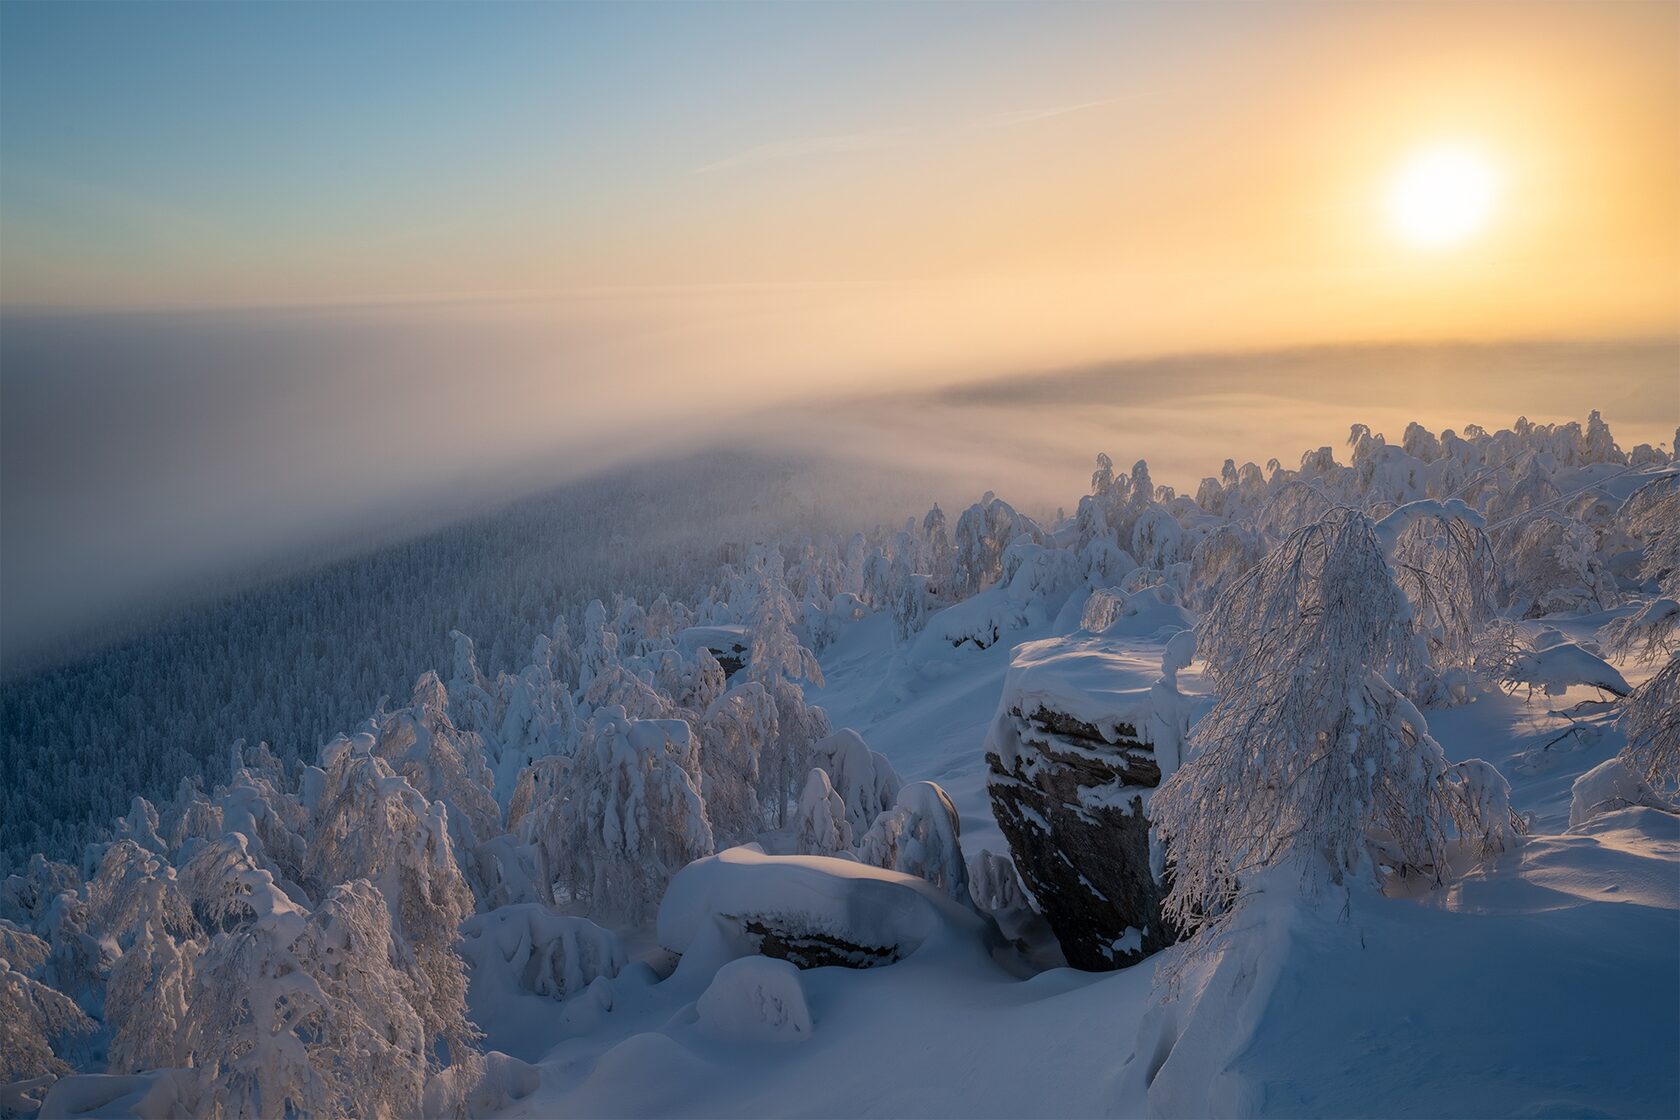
(145,459)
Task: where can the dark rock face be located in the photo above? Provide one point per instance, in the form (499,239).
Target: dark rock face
(1071,806)
(810,949)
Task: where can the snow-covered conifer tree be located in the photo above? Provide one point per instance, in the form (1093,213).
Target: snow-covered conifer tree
(920,835)
(632,817)
(35,1022)
(778,662)
(1308,750)
(304,1014)
(443,764)
(820,827)
(374,825)
(734,735)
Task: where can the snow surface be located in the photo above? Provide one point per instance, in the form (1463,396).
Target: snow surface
(757,999)
(1544,984)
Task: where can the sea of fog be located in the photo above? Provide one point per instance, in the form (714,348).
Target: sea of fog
(146,460)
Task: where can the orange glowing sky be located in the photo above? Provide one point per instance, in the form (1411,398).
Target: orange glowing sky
(945,184)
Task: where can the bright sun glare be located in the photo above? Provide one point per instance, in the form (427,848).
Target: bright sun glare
(1441,196)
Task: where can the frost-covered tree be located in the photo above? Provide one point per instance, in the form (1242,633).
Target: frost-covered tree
(1444,563)
(26,896)
(599,647)
(257,804)
(36,1023)
(469,691)
(819,825)
(133,889)
(734,735)
(1156,538)
(530,948)
(146,1001)
(141,826)
(1479,802)
(1648,634)
(920,835)
(936,541)
(1651,720)
(441,761)
(1308,753)
(539,718)
(983,532)
(81,960)
(632,818)
(1554,566)
(995,885)
(1652,514)
(865,780)
(304,1014)
(1218,559)
(375,1043)
(694,681)
(374,825)
(779,663)
(252,1002)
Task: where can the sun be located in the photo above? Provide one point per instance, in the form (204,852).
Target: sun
(1442,196)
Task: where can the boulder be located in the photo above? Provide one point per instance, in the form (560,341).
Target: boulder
(1085,731)
(812,911)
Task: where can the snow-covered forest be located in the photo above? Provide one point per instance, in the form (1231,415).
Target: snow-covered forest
(1310,775)
(294,658)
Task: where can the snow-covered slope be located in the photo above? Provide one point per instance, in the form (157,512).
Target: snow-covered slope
(1543,985)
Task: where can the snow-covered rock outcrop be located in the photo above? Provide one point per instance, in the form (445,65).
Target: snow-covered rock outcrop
(1087,727)
(810,910)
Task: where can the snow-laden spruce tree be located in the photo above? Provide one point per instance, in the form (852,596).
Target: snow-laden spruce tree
(920,835)
(632,817)
(820,827)
(374,825)
(469,691)
(442,762)
(779,663)
(936,542)
(35,1022)
(736,731)
(1309,756)
(1651,719)
(304,1014)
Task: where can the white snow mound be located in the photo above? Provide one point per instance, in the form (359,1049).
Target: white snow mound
(1609,786)
(1559,667)
(756,998)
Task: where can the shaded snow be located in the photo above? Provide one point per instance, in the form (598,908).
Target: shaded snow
(1544,984)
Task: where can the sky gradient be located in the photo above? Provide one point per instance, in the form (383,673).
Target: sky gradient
(1126,176)
(278,276)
